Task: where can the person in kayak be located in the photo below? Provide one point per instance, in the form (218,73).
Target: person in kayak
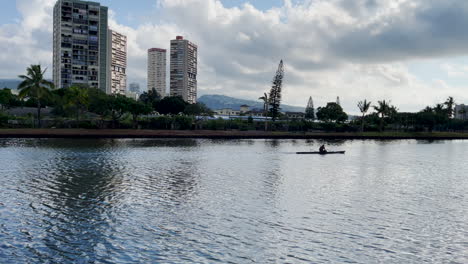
(322,149)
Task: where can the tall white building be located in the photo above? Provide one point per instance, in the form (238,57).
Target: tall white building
(134,87)
(117,61)
(80,44)
(157,70)
(183,69)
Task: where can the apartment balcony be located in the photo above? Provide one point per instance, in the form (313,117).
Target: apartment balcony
(80,21)
(94,8)
(93,17)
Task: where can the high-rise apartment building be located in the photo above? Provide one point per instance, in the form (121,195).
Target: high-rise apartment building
(157,70)
(80,44)
(183,69)
(117,61)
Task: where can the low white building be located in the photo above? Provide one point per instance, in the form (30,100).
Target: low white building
(132,95)
(295,115)
(244,109)
(227,112)
(256,113)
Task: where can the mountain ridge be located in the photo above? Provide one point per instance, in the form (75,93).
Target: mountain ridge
(217,101)
(9,83)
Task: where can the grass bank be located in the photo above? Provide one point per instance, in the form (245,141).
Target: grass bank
(128,133)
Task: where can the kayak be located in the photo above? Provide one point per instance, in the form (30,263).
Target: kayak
(322,153)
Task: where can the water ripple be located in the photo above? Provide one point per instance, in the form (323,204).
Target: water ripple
(244,201)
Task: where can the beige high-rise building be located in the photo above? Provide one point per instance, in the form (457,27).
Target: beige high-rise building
(183,69)
(157,70)
(117,61)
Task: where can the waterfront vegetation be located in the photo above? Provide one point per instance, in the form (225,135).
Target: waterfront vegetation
(80,106)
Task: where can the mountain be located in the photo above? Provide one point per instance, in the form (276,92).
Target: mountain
(216,102)
(9,83)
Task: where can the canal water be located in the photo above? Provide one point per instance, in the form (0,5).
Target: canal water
(236,201)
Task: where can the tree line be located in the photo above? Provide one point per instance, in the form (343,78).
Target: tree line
(387,117)
(80,100)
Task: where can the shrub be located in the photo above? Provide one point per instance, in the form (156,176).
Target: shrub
(183,122)
(216,124)
(87,125)
(160,122)
(3,120)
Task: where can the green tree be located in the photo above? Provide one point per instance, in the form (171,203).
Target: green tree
(275,92)
(150,97)
(384,110)
(118,106)
(364,108)
(6,98)
(450,104)
(171,105)
(99,102)
(35,86)
(332,112)
(310,110)
(137,108)
(310,113)
(266,103)
(198,109)
(441,115)
(77,97)
(426,118)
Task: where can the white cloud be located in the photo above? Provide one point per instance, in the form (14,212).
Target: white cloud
(455,70)
(28,42)
(353,49)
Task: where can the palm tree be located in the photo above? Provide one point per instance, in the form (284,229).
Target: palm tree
(450,103)
(382,110)
(35,86)
(266,103)
(363,107)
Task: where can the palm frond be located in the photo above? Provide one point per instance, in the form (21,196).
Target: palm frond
(24,92)
(25,84)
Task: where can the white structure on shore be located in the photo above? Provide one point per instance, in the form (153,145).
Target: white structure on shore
(244,109)
(157,70)
(183,69)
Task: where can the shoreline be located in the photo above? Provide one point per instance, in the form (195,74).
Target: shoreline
(215,134)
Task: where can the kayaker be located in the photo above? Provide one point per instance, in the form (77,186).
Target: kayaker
(322,149)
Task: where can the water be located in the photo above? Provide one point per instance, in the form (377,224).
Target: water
(208,201)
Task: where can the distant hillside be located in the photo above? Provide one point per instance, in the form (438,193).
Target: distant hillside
(216,102)
(9,83)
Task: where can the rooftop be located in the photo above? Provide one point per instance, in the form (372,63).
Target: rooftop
(156,49)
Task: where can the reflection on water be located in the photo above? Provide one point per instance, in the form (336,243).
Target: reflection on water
(241,201)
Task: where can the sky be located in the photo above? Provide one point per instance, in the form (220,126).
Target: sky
(412,52)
